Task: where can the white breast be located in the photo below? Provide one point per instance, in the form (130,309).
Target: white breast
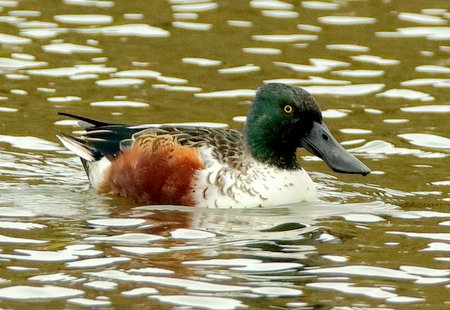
(261,185)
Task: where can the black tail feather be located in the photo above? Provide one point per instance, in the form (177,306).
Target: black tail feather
(85,119)
(100,139)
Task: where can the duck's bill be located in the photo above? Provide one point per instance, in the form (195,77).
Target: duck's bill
(321,143)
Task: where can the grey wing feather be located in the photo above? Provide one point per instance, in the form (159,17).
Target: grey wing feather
(126,144)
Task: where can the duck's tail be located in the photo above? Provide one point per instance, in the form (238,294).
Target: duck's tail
(94,163)
(84,121)
(79,147)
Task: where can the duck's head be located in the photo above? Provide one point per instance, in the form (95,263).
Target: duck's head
(284,118)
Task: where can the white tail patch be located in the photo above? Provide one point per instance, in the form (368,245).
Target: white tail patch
(96,171)
(76,147)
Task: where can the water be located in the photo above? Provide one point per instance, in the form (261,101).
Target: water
(381,73)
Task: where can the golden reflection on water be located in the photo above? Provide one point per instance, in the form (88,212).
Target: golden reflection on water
(380,70)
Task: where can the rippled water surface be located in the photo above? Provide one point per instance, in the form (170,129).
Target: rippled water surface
(381,72)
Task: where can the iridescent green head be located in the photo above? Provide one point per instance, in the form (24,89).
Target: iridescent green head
(283,118)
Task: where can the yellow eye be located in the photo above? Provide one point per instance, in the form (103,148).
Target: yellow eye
(288,109)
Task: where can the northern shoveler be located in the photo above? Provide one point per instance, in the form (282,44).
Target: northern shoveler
(211,167)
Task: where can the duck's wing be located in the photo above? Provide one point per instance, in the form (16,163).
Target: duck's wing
(226,145)
(102,139)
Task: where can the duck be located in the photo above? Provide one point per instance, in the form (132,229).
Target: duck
(214,167)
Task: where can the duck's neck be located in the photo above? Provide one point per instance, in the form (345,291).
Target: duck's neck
(265,145)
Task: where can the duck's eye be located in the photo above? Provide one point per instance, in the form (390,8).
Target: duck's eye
(288,109)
